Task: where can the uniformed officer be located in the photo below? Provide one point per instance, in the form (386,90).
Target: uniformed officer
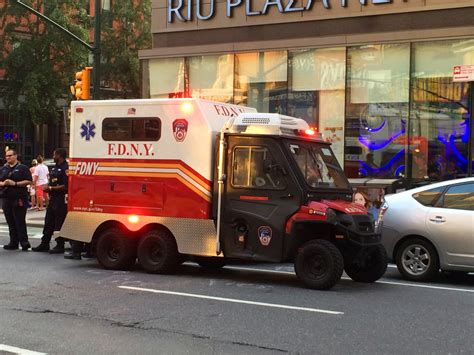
(57,207)
(14,177)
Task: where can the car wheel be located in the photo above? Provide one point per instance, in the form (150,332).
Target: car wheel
(417,260)
(319,264)
(370,267)
(116,250)
(158,252)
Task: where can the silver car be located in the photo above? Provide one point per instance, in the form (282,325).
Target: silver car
(430,228)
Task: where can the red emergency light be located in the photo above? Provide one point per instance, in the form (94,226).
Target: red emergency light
(133,219)
(187,108)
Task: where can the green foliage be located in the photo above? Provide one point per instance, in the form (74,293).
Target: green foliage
(42,59)
(125,30)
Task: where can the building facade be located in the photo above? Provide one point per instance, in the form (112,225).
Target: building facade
(375,77)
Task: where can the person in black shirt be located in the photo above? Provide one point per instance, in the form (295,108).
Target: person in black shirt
(14,177)
(57,207)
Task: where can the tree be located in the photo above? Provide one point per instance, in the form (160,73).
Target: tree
(125,30)
(42,60)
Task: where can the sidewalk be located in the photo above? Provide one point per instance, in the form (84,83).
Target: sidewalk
(34,218)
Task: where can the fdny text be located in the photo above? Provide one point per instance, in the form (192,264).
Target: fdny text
(130,150)
(86,168)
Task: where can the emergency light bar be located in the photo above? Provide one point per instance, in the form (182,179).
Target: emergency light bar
(271,123)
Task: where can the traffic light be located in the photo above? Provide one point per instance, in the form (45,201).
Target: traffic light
(82,86)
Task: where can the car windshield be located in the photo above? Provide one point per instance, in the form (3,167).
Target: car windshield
(318,165)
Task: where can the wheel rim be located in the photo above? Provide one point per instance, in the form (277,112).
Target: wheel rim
(113,249)
(316,266)
(155,253)
(416,260)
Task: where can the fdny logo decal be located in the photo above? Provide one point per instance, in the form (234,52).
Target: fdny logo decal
(265,235)
(86,168)
(88,130)
(180,128)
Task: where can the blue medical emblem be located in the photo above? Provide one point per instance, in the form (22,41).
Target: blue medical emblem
(88,130)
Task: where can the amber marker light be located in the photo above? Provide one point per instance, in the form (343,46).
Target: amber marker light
(133,219)
(187,108)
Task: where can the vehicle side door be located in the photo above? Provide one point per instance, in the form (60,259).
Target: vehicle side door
(451,222)
(260,195)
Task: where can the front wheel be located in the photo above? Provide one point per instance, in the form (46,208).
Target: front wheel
(370,267)
(116,250)
(319,264)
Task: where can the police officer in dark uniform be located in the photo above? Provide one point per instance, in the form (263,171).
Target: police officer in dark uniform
(14,177)
(57,207)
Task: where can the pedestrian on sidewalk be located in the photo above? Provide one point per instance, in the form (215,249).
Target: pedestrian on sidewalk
(32,188)
(40,179)
(57,207)
(14,177)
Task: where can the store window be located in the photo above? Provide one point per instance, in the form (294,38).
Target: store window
(439,110)
(377,99)
(261,81)
(212,77)
(167,79)
(316,92)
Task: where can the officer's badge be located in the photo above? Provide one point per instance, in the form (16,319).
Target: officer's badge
(180,128)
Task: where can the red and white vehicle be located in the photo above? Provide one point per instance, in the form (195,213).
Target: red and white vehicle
(186,179)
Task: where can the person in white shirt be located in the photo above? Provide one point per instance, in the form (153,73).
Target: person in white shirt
(40,180)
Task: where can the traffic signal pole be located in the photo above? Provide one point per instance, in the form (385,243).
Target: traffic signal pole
(95,49)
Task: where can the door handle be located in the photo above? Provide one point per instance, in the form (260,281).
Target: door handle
(438,219)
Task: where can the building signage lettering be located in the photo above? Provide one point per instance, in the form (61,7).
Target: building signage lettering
(187,10)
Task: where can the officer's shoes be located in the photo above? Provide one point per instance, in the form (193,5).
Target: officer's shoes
(73,256)
(58,249)
(10,247)
(25,246)
(43,247)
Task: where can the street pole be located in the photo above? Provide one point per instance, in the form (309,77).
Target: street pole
(97,51)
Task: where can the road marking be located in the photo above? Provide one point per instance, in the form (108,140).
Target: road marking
(348,278)
(19,351)
(232,300)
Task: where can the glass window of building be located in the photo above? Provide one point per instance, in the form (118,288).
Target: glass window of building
(261,81)
(212,77)
(439,110)
(167,79)
(316,92)
(376,110)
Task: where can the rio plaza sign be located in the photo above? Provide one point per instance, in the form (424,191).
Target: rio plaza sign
(183,10)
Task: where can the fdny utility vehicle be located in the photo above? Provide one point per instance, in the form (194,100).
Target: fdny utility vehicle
(169,180)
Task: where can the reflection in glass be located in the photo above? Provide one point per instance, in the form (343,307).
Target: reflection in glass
(316,92)
(212,77)
(376,110)
(439,110)
(167,77)
(261,81)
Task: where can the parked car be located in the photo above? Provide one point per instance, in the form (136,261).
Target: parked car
(430,228)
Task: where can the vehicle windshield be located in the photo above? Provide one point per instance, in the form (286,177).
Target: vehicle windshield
(318,165)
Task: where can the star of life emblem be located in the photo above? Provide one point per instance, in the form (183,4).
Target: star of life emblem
(88,130)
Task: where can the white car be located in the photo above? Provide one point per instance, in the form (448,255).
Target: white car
(430,228)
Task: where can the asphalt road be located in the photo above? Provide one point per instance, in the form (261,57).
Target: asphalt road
(52,305)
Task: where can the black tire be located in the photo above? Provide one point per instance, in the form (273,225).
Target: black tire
(116,250)
(211,263)
(158,252)
(372,266)
(319,264)
(421,267)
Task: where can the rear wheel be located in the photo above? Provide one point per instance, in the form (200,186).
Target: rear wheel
(370,267)
(116,250)
(319,264)
(158,252)
(417,260)
(210,262)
